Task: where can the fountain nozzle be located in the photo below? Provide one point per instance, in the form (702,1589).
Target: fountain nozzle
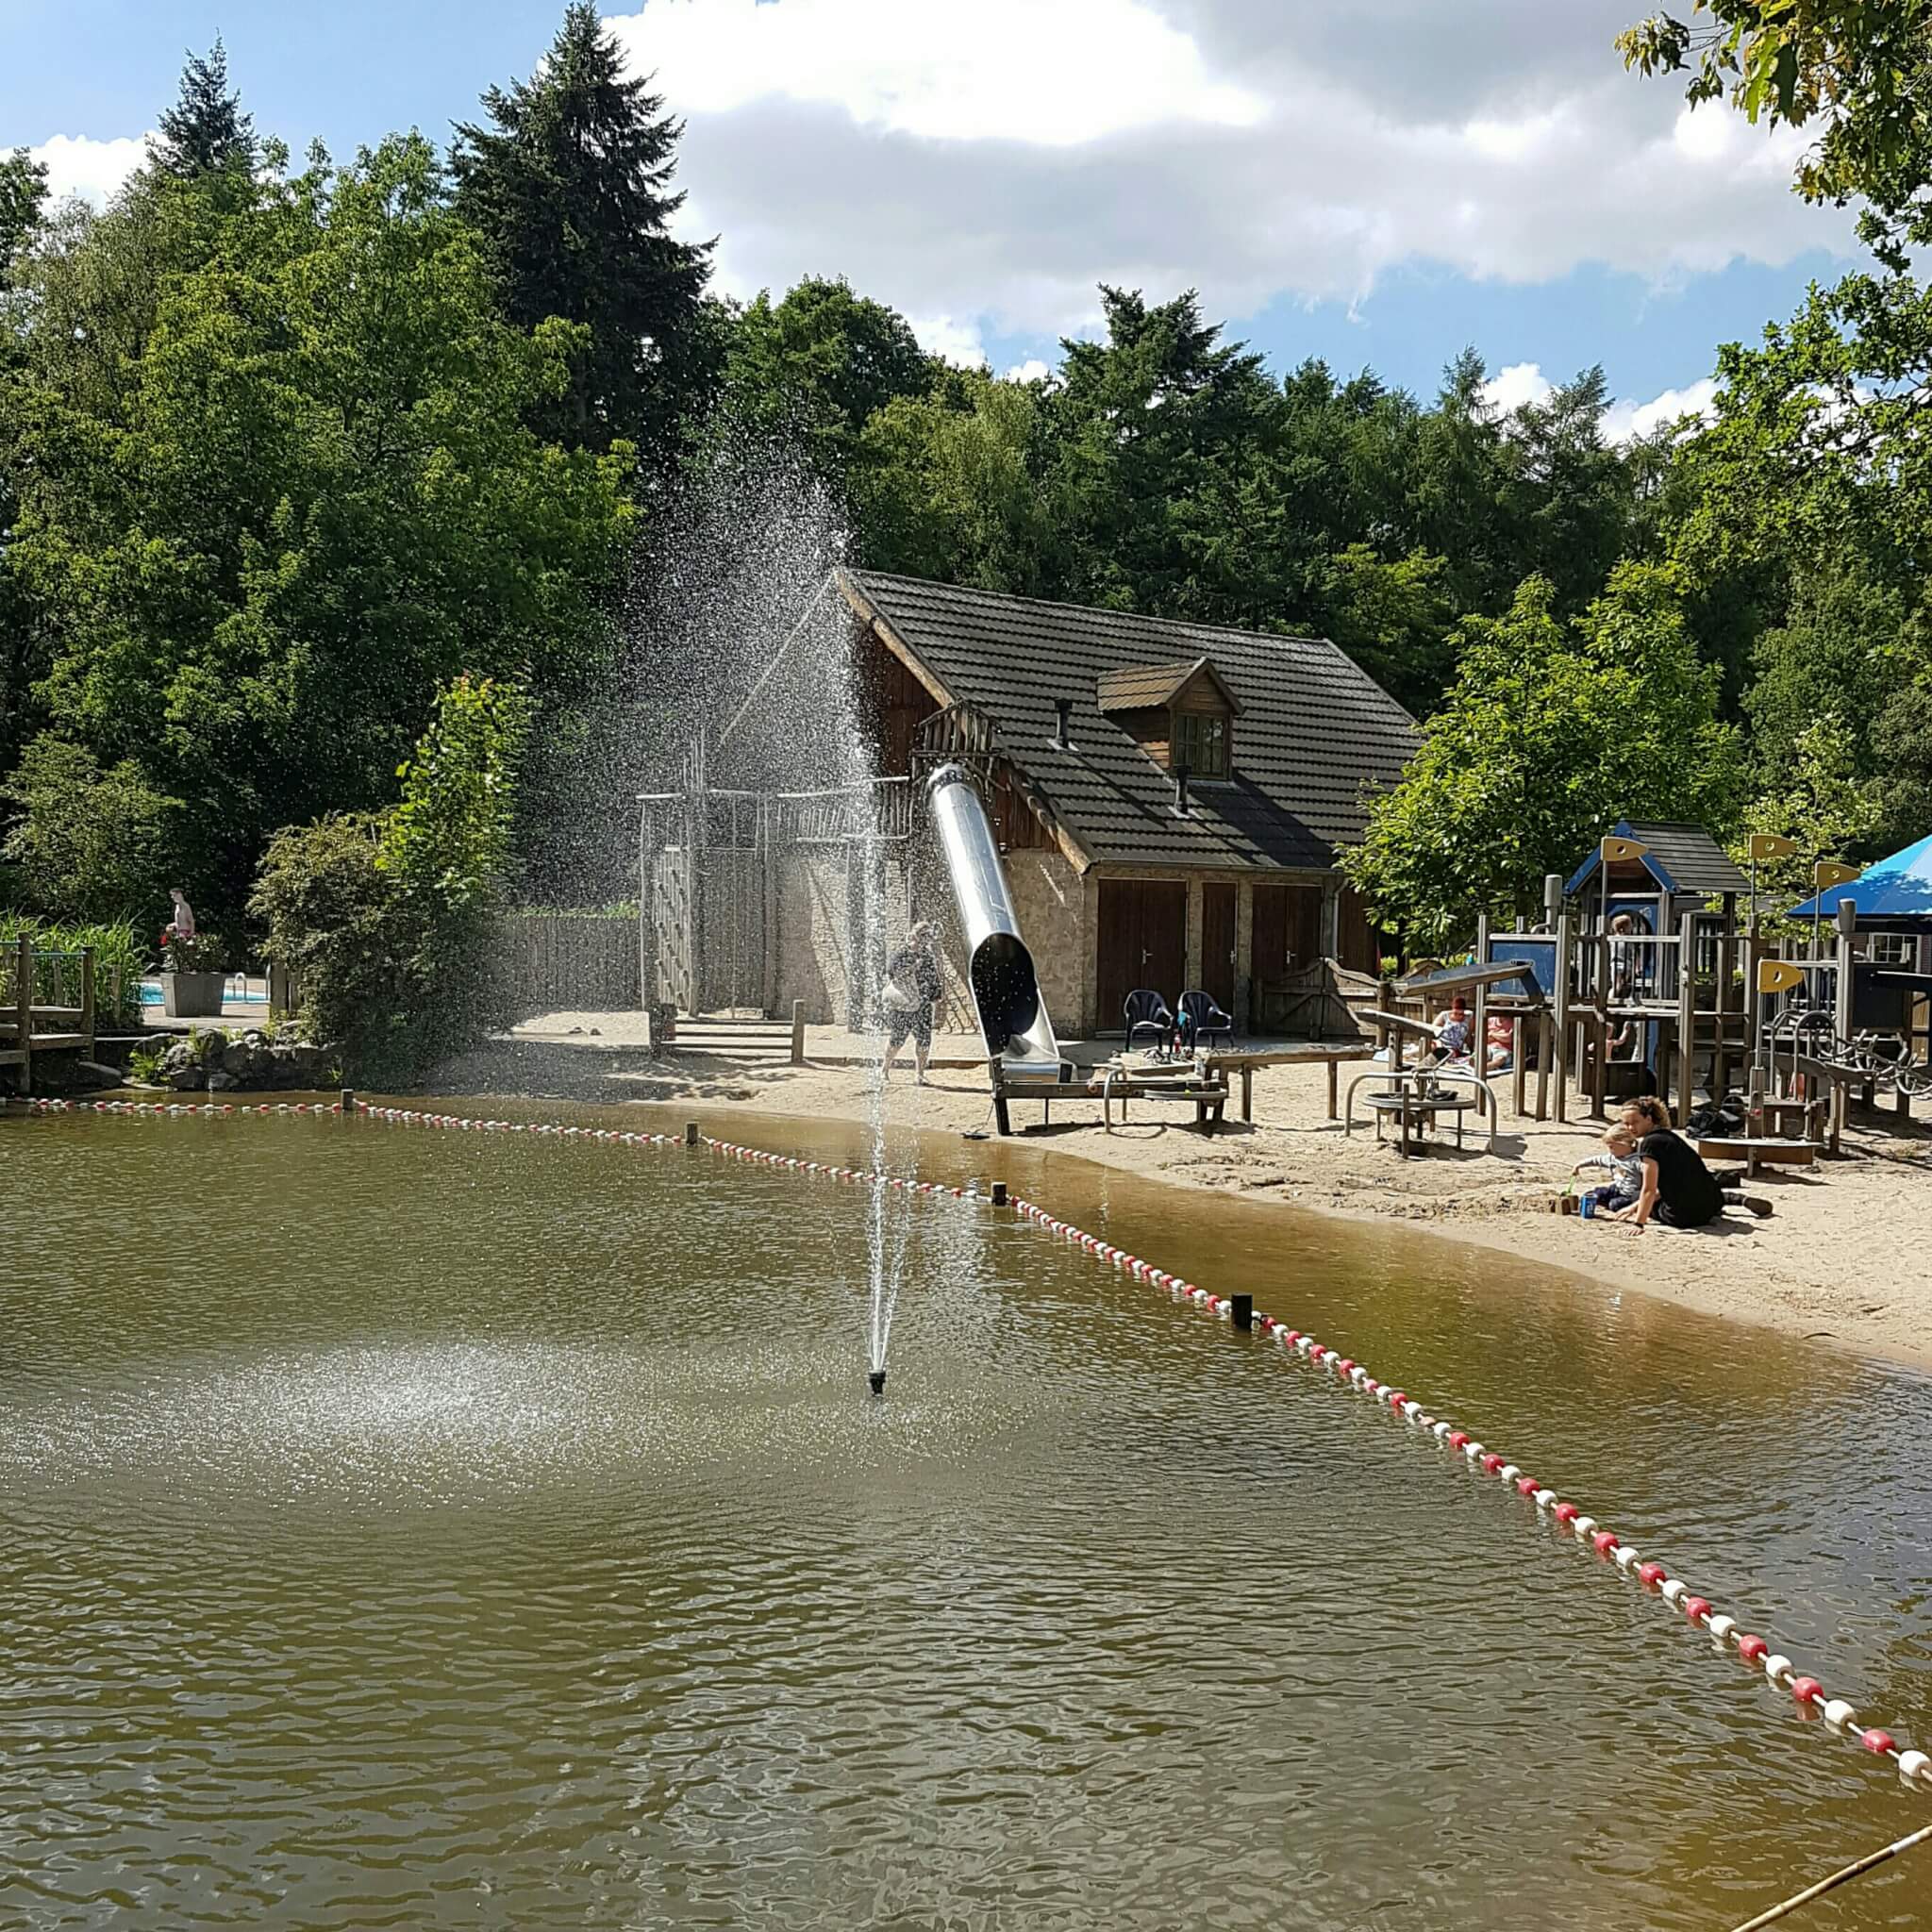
(875,1378)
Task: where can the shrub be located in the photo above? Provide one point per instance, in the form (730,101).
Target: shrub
(333,920)
(382,920)
(191,951)
(89,843)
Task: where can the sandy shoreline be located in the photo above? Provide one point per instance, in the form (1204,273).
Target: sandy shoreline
(1846,1261)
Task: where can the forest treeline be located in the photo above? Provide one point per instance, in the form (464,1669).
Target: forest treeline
(287,450)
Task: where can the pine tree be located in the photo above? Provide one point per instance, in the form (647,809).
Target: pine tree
(569,185)
(205,130)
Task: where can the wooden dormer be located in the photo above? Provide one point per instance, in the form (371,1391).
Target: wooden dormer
(1179,714)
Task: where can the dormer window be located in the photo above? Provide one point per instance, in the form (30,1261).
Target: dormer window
(1200,744)
(1181,715)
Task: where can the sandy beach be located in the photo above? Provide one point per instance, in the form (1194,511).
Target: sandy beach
(1844,1260)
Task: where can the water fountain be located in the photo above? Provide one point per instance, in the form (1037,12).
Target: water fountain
(757,738)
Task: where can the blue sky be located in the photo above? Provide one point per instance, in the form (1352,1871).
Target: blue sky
(1353,182)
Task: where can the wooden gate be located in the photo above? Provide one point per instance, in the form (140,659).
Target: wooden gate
(1143,934)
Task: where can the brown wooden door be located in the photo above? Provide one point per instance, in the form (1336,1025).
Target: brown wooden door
(1143,941)
(1288,931)
(1217,945)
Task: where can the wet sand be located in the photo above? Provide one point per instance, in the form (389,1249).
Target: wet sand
(1846,1260)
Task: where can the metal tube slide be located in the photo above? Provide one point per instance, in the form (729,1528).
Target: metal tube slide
(999,969)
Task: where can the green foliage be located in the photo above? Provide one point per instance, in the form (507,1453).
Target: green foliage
(1862,69)
(120,959)
(22,196)
(1817,800)
(331,918)
(382,920)
(89,843)
(816,365)
(570,187)
(1394,619)
(946,485)
(192,952)
(447,844)
(204,132)
(302,493)
(144,1063)
(1551,732)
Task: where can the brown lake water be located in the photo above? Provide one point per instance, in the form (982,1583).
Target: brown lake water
(413,1530)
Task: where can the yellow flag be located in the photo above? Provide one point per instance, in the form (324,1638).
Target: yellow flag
(1768,845)
(1615,850)
(1825,874)
(1777,976)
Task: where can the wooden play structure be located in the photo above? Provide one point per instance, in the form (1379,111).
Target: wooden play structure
(1650,972)
(32,1025)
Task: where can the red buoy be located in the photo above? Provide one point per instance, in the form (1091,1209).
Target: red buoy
(1491,1462)
(1603,1541)
(1651,1573)
(1459,1439)
(1753,1649)
(1569,1512)
(1695,1608)
(1807,1689)
(1527,1486)
(1880,1741)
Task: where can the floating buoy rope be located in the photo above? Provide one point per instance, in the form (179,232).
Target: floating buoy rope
(1613,1554)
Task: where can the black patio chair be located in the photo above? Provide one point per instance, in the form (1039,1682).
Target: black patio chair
(1145,1009)
(1201,1020)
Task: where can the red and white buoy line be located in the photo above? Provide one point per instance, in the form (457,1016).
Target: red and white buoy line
(1613,1554)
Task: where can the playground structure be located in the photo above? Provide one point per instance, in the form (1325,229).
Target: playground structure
(1636,981)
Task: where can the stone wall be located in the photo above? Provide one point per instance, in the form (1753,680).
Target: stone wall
(1054,905)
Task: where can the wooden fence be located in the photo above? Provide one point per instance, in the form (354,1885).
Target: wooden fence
(586,964)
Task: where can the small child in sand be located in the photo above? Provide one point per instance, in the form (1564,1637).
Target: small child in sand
(1625,1167)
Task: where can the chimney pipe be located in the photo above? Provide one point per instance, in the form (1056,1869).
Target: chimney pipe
(1064,709)
(1180,791)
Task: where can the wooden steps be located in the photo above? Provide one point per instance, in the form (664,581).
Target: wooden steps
(735,1039)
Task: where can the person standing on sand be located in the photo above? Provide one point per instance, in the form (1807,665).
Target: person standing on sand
(912,993)
(184,914)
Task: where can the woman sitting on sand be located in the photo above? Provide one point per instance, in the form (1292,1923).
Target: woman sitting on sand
(1678,1189)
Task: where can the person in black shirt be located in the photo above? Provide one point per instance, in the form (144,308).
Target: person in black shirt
(1678,1189)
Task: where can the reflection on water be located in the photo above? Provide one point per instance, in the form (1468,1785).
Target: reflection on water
(434,1531)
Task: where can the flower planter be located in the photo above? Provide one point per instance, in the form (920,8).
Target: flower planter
(193,995)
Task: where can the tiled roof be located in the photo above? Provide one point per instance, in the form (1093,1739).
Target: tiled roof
(1695,862)
(1316,732)
(1684,856)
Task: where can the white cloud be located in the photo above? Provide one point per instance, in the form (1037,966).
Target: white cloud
(78,164)
(953,341)
(1622,419)
(1625,420)
(1520,383)
(994,159)
(1053,76)
(1032,370)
